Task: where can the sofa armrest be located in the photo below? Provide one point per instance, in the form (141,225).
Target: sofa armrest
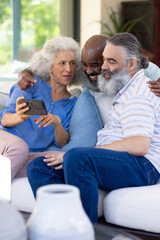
(8,77)
(21,195)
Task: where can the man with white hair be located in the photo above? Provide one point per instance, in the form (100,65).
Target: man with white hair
(128,147)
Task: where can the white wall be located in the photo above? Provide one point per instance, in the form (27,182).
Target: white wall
(94,11)
(66,17)
(90,17)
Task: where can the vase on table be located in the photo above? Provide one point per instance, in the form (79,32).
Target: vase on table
(58,214)
(12,224)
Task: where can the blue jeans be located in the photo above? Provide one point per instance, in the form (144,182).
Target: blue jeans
(39,174)
(91,169)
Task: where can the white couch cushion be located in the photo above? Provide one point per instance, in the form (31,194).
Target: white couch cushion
(21,195)
(4,93)
(4,97)
(101,197)
(6,86)
(134,207)
(23,200)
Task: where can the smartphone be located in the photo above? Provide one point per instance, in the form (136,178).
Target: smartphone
(36,107)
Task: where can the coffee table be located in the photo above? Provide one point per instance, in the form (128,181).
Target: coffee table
(103,232)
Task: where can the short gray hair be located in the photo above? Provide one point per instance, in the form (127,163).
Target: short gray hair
(42,61)
(132,47)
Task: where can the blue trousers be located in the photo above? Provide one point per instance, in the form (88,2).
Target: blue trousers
(39,174)
(91,169)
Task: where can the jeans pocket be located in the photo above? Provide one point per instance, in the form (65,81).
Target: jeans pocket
(153,176)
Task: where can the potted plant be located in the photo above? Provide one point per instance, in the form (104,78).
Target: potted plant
(119,24)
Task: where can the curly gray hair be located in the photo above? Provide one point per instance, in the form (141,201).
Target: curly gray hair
(42,61)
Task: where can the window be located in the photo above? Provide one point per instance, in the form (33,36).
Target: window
(25,26)
(40,21)
(6,34)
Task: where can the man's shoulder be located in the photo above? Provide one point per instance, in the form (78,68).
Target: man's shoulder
(140,83)
(139,87)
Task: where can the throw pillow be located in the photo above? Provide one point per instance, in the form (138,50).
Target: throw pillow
(84,125)
(104,104)
(85,122)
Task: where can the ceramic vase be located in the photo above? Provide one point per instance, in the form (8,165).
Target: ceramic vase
(58,214)
(12,224)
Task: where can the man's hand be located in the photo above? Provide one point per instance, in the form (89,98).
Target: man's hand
(155,87)
(25,79)
(55,159)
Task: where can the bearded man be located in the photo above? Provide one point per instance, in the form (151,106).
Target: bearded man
(128,148)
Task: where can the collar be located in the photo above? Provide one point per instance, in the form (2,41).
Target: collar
(132,81)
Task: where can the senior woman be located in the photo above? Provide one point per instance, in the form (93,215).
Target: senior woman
(58,65)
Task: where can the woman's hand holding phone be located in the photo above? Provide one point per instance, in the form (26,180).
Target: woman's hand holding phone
(35,107)
(21,108)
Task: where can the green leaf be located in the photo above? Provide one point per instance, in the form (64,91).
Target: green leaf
(122,26)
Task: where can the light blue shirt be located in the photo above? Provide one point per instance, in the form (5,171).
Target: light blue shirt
(152,71)
(39,138)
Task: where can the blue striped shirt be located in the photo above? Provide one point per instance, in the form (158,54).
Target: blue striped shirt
(135,112)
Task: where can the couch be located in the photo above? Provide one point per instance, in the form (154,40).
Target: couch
(136,207)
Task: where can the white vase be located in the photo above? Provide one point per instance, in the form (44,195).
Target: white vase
(58,215)
(12,224)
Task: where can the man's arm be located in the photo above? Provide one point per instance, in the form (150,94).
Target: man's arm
(137,145)
(25,79)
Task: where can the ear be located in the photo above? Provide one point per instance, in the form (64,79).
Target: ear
(132,65)
(50,69)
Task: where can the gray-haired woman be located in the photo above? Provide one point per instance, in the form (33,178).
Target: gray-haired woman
(58,65)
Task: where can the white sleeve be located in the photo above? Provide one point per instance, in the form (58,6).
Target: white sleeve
(152,71)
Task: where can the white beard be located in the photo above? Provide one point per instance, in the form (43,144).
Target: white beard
(113,85)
